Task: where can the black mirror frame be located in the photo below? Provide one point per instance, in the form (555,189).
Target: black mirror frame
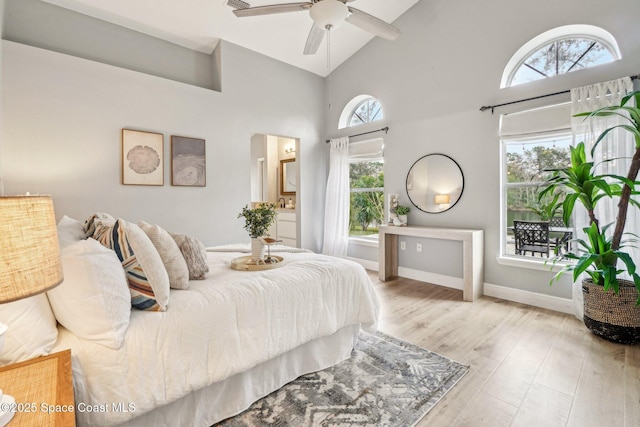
(409,173)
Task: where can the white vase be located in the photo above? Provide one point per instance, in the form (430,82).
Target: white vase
(257,251)
(403,219)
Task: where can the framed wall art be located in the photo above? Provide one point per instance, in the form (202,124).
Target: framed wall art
(142,158)
(188,162)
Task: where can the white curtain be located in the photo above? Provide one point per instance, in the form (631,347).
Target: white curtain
(336,212)
(617,145)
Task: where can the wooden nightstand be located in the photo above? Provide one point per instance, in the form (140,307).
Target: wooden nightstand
(43,390)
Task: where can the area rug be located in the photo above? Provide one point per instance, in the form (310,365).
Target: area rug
(385,382)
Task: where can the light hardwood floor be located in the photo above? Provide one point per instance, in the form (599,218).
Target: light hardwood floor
(529,366)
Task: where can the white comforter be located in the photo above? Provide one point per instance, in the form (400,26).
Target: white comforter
(223,325)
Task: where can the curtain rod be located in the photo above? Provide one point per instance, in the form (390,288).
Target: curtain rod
(492,107)
(385,129)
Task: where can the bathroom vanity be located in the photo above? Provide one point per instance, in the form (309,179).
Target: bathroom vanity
(286,227)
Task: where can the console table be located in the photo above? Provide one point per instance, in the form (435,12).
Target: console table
(472,253)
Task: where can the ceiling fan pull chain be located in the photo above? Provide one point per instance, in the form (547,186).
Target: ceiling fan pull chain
(328,47)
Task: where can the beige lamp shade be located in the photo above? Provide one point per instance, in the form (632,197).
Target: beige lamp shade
(442,199)
(29,254)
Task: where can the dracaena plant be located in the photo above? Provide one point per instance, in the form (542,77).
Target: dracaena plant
(602,254)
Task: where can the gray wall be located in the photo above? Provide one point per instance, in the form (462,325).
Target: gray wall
(44,25)
(63,116)
(431,81)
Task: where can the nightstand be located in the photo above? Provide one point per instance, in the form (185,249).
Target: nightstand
(43,390)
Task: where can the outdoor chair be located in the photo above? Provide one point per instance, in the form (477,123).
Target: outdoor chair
(532,236)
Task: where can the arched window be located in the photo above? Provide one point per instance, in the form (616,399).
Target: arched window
(560,51)
(361,109)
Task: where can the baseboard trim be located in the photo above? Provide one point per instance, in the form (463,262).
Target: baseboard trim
(563,305)
(436,279)
(367,264)
(549,302)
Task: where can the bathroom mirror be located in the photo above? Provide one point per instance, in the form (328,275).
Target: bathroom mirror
(288,176)
(435,183)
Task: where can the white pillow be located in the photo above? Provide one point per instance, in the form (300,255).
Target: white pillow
(170,254)
(69,231)
(93,302)
(147,277)
(32,329)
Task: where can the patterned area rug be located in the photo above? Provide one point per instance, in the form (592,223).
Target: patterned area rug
(385,382)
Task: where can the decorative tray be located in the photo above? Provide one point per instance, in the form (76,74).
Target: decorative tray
(245,263)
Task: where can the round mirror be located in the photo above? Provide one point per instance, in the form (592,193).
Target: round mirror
(435,183)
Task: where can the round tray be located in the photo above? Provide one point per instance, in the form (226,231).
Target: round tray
(244,263)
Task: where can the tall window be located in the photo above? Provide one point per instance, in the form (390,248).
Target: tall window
(533,144)
(559,51)
(366,177)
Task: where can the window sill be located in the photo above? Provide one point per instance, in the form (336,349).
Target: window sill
(530,263)
(363,241)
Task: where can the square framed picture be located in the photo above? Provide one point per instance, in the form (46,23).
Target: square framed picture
(142,158)
(188,162)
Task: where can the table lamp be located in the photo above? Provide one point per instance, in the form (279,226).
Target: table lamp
(442,199)
(29,256)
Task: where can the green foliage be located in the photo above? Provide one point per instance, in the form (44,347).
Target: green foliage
(402,210)
(367,207)
(547,207)
(599,255)
(258,220)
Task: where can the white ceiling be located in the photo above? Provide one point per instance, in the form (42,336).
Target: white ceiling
(200,24)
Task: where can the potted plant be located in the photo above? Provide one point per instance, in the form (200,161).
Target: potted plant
(611,305)
(401,212)
(257,222)
(547,209)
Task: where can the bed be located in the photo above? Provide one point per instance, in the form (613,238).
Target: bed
(223,343)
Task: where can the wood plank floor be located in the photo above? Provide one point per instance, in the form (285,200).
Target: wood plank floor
(529,366)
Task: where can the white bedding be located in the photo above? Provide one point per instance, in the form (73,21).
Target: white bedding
(226,324)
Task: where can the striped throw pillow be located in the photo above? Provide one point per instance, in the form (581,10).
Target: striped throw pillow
(147,278)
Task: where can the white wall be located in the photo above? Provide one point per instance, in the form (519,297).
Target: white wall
(61,136)
(431,82)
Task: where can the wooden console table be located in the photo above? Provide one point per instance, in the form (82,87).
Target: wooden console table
(472,253)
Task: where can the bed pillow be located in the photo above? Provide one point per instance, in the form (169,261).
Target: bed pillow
(32,329)
(69,231)
(195,254)
(90,223)
(170,254)
(93,301)
(146,275)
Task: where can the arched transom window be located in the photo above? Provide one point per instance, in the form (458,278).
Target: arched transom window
(367,111)
(559,51)
(361,109)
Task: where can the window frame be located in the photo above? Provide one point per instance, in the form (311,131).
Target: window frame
(504,258)
(357,107)
(581,31)
(371,239)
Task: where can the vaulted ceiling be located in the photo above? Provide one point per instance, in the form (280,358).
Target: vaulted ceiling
(201,24)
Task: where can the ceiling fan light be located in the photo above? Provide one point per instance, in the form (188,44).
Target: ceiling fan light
(329,13)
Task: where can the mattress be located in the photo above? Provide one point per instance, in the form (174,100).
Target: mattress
(222,326)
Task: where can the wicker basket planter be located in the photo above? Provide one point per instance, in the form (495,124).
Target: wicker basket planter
(613,317)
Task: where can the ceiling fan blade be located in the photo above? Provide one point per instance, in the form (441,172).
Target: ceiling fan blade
(314,39)
(272,9)
(238,4)
(372,24)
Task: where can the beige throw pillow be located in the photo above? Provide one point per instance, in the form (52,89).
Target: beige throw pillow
(195,254)
(170,254)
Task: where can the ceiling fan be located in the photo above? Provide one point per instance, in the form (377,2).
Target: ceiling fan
(326,15)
